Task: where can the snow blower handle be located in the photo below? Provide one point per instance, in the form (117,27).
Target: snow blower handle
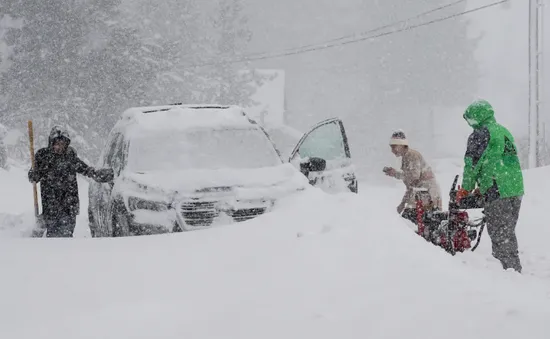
(33,166)
(453,187)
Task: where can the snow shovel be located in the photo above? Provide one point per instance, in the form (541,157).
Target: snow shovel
(39,227)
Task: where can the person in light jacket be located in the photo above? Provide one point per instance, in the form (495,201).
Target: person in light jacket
(415,174)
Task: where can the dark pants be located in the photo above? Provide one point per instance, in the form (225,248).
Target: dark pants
(502,217)
(61,227)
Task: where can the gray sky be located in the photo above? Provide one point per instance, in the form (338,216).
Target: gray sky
(322,84)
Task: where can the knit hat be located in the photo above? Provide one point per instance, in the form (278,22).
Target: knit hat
(398,138)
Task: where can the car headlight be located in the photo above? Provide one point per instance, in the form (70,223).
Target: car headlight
(135,203)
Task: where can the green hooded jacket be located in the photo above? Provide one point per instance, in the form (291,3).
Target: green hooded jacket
(491,159)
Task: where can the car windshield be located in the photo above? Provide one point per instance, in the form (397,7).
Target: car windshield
(202,149)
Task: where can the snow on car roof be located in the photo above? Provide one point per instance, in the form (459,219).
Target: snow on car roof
(176,117)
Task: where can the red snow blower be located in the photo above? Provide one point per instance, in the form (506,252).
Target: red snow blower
(452,230)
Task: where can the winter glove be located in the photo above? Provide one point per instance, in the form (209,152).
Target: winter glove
(460,194)
(105,175)
(33,177)
(390,171)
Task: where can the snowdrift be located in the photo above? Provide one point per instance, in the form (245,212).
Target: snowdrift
(16,203)
(17,206)
(321,266)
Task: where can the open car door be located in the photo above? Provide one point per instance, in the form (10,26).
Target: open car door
(323,156)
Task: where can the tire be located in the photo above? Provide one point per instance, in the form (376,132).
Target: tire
(356,187)
(121,227)
(92,225)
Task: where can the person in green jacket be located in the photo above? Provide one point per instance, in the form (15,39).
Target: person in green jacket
(492,164)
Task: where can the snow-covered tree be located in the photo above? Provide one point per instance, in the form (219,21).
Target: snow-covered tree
(79,63)
(199,40)
(230,40)
(72,64)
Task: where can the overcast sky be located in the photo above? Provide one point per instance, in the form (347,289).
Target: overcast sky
(504,60)
(502,55)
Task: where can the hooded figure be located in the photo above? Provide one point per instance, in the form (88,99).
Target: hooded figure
(491,162)
(415,173)
(56,169)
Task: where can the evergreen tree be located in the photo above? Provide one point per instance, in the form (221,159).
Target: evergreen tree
(199,42)
(72,64)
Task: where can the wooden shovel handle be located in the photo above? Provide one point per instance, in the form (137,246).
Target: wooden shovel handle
(33,164)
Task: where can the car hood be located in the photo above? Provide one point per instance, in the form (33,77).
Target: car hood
(220,180)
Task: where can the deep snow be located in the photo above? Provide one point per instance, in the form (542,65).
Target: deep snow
(319,266)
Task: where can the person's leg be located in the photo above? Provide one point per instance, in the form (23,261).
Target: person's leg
(61,227)
(502,216)
(68,224)
(53,229)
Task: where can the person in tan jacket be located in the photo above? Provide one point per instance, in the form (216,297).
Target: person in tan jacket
(416,175)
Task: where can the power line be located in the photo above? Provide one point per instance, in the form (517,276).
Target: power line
(312,48)
(334,42)
(355,35)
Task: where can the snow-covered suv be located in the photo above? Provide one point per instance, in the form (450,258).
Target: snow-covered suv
(187,167)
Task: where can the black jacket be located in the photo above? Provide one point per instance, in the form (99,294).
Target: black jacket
(58,185)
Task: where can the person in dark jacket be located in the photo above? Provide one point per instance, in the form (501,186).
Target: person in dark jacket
(56,167)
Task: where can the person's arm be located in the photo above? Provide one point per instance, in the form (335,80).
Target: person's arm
(476,153)
(80,166)
(103,175)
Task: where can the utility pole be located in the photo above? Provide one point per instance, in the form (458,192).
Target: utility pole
(535,75)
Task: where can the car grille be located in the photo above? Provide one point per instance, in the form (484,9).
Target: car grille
(246,214)
(199,213)
(202,213)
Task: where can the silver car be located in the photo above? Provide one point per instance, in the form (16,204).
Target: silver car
(189,167)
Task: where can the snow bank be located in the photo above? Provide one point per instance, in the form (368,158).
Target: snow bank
(317,267)
(17,206)
(191,180)
(532,229)
(16,201)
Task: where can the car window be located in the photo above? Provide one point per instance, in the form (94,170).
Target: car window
(202,149)
(326,142)
(119,156)
(112,150)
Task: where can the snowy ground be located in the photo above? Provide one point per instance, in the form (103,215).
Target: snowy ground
(342,266)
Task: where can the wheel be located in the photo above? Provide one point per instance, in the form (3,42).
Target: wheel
(92,224)
(354,186)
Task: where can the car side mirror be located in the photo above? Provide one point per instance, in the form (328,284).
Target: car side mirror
(317,164)
(313,165)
